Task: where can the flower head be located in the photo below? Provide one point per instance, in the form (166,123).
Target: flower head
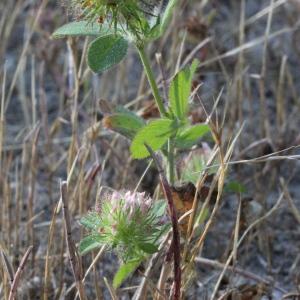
(129,222)
(133,16)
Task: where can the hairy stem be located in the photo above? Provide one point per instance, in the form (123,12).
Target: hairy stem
(161,108)
(152,82)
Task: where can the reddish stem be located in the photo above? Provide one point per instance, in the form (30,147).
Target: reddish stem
(175,244)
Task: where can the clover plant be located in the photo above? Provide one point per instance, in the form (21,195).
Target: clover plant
(128,222)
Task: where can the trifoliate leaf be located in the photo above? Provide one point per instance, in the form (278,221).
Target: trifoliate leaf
(148,248)
(91,221)
(155,135)
(191,135)
(90,243)
(124,122)
(159,208)
(180,90)
(83,28)
(106,51)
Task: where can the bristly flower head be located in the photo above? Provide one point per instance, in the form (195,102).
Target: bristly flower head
(128,222)
(133,16)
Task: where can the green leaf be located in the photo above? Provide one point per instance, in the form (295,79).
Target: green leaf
(201,218)
(194,166)
(148,248)
(180,90)
(155,135)
(91,221)
(159,208)
(154,32)
(106,51)
(190,136)
(124,271)
(90,243)
(84,28)
(236,187)
(167,16)
(125,122)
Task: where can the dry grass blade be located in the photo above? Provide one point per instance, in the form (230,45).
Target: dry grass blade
(281,101)
(47,263)
(164,275)
(294,295)
(111,290)
(98,256)
(92,265)
(2,119)
(75,259)
(265,11)
(265,158)
(294,209)
(7,266)
(237,231)
(191,55)
(14,286)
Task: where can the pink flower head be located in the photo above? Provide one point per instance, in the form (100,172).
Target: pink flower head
(131,201)
(115,199)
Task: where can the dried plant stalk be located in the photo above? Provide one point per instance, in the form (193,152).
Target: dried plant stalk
(8,267)
(13,289)
(75,259)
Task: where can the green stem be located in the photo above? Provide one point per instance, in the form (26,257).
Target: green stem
(152,82)
(161,107)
